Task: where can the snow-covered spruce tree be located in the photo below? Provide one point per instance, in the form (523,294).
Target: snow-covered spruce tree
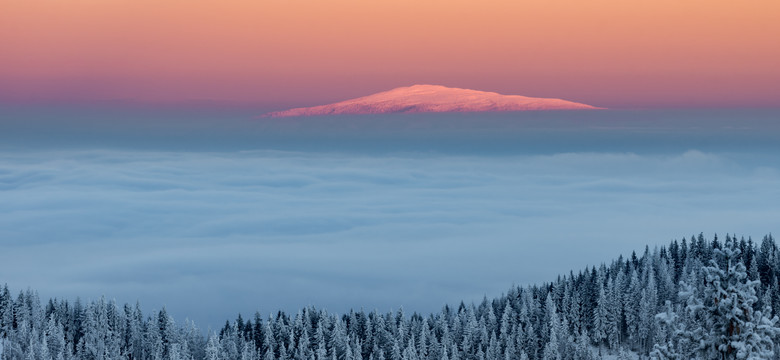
(212,348)
(614,311)
(631,303)
(600,318)
(583,350)
(647,311)
(667,331)
(735,329)
(721,323)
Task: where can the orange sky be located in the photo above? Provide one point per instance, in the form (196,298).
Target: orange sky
(277,53)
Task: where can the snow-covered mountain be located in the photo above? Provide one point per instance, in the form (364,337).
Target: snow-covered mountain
(433,98)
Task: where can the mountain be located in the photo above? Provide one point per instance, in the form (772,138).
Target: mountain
(433,98)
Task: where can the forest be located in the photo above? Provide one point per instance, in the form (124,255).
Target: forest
(695,298)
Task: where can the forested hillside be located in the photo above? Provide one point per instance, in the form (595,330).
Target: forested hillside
(694,299)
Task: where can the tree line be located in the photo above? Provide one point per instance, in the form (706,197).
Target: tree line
(696,298)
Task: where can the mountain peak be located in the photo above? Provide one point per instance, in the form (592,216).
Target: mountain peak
(433,98)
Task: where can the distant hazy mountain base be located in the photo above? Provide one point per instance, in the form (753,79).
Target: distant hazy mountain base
(694,299)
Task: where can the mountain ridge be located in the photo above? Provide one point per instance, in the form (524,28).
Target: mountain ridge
(423,98)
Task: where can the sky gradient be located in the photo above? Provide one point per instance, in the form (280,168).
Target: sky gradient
(276,54)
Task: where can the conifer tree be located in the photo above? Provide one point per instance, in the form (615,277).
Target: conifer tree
(600,322)
(647,312)
(212,348)
(734,329)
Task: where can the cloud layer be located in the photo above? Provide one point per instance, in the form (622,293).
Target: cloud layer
(213,234)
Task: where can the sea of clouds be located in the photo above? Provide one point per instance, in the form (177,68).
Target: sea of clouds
(212,234)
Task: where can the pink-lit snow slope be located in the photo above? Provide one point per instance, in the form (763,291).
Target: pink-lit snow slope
(433,98)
